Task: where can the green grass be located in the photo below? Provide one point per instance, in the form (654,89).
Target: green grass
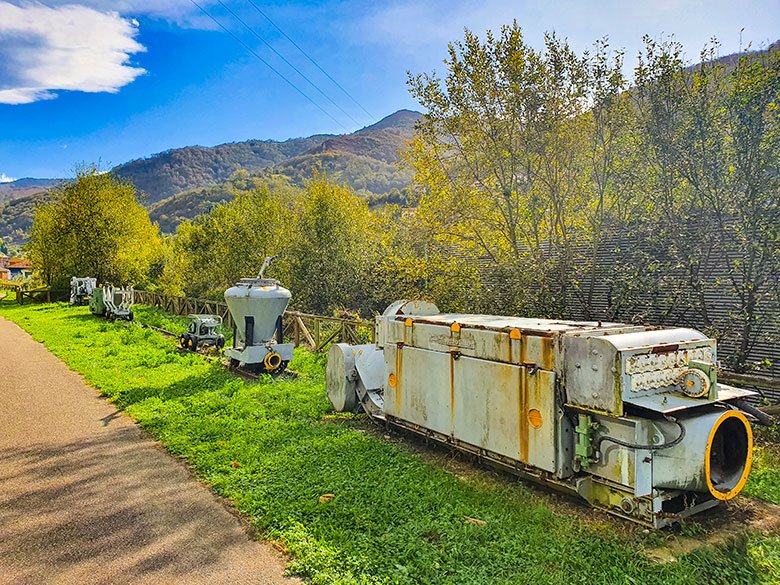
(273,447)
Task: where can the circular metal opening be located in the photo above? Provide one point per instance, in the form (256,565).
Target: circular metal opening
(729,455)
(272,361)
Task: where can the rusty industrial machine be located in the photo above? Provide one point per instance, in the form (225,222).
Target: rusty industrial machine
(257,306)
(631,418)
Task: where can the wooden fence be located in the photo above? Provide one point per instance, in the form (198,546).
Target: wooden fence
(42,294)
(314,331)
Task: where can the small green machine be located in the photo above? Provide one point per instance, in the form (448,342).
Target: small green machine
(203,332)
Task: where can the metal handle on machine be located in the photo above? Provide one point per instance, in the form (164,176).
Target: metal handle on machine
(266,264)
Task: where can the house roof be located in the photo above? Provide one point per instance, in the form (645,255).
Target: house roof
(19,263)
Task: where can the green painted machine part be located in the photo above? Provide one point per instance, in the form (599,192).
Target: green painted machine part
(711,371)
(96,304)
(583,448)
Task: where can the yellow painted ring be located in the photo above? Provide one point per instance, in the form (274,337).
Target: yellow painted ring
(742,480)
(272,360)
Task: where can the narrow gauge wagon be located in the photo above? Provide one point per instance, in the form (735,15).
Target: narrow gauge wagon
(631,418)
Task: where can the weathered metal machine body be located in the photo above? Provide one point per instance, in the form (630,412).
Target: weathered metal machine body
(203,331)
(81,290)
(112,302)
(631,418)
(257,306)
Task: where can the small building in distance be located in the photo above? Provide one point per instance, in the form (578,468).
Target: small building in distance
(15,268)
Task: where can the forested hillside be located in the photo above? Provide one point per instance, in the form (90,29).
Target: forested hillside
(24,188)
(180,184)
(365,159)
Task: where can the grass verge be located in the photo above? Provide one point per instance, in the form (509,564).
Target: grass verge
(274,449)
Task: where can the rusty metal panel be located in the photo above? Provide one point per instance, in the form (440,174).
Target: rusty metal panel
(488,404)
(419,390)
(590,373)
(505,409)
(538,392)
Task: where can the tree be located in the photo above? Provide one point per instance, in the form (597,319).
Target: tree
(230,242)
(516,157)
(331,251)
(710,136)
(93,226)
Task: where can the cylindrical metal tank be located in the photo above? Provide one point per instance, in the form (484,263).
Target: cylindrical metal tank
(714,457)
(256,304)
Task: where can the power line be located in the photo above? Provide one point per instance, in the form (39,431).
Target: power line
(278,54)
(267,64)
(317,65)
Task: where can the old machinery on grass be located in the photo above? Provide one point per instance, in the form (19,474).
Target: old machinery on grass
(203,331)
(81,290)
(112,302)
(257,306)
(631,418)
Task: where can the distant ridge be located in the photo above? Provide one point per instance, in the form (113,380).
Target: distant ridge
(180,170)
(25,187)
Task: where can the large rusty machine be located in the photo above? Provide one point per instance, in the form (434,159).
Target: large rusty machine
(631,418)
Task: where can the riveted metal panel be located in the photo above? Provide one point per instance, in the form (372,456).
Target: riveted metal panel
(421,394)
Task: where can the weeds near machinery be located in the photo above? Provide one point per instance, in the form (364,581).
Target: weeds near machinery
(274,450)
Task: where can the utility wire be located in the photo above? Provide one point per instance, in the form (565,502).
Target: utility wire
(282,57)
(317,65)
(267,64)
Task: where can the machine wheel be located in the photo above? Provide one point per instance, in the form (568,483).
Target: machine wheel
(220,342)
(110,316)
(192,344)
(184,340)
(130,316)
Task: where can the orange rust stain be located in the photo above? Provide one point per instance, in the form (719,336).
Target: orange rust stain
(398,377)
(547,353)
(452,394)
(391,380)
(522,422)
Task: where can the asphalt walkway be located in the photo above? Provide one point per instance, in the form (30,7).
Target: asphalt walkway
(86,497)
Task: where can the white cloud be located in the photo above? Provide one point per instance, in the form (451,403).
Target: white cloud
(182,12)
(44,49)
(5,178)
(410,27)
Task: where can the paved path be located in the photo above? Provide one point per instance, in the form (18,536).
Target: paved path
(87,498)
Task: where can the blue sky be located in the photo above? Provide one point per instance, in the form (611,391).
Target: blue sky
(89,80)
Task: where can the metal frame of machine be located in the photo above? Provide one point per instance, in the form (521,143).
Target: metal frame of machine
(630,418)
(113,303)
(203,332)
(81,290)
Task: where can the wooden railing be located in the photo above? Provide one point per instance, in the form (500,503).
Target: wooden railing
(40,294)
(316,332)
(184,305)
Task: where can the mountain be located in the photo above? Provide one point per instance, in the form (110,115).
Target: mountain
(25,187)
(183,169)
(366,159)
(181,183)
